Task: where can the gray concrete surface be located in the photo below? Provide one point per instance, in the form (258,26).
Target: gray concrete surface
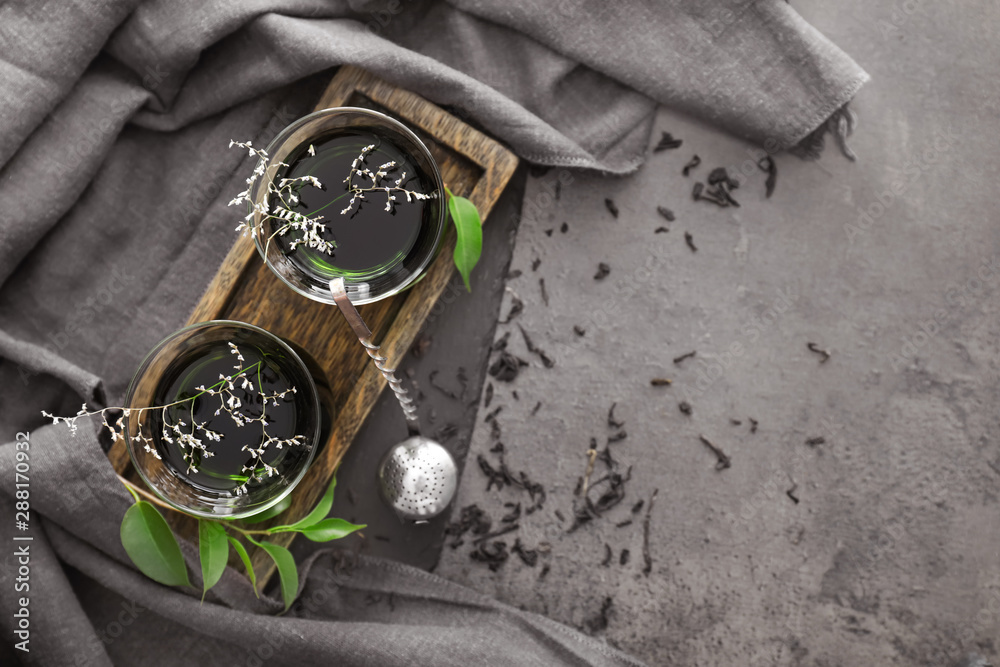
(891,556)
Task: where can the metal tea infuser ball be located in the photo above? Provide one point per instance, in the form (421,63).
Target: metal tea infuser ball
(418,477)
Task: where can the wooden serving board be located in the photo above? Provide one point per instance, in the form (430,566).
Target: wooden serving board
(244,289)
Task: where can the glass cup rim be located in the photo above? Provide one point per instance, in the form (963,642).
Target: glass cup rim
(314,392)
(396,125)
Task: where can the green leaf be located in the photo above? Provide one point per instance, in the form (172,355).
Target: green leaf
(318,513)
(151,545)
(330,529)
(214,551)
(287,572)
(270,512)
(469,231)
(245,557)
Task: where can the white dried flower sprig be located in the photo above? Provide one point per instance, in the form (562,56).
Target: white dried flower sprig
(284,195)
(191,437)
(379,180)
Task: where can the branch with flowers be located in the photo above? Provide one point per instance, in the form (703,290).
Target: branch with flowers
(145,534)
(378,182)
(283,196)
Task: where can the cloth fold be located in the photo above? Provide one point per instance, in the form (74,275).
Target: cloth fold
(114,178)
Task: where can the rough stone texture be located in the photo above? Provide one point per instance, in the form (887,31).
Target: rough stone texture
(892,554)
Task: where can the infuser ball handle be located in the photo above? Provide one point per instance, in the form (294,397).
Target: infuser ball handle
(364,334)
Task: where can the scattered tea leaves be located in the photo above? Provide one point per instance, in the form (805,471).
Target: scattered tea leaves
(612,422)
(692,164)
(723,461)
(791,493)
(564,227)
(624,557)
(753,424)
(600,621)
(528,556)
(446,432)
(622,524)
(647,556)
(578,330)
(723,193)
(690,241)
(535,409)
(545,294)
(661,382)
(535,263)
(661,230)
(494,554)
(497,533)
(825,354)
(685,408)
(506,367)
(613,485)
(612,209)
(501,343)
(488,395)
(602,271)
(471,517)
(685,356)
(581,488)
(720,175)
(767,164)
(547,361)
(667,142)
(513,515)
(812,442)
(666,213)
(516,308)
(608,554)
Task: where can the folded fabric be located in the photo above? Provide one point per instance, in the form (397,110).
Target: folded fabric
(114,178)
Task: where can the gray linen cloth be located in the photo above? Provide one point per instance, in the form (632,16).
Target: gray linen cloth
(114,178)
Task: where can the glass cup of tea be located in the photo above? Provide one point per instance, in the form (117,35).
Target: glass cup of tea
(383,207)
(223,419)
(380,195)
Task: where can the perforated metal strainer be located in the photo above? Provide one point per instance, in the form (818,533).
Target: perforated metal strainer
(417,479)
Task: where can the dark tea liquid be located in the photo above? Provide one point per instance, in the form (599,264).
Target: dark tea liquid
(224,470)
(370,241)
